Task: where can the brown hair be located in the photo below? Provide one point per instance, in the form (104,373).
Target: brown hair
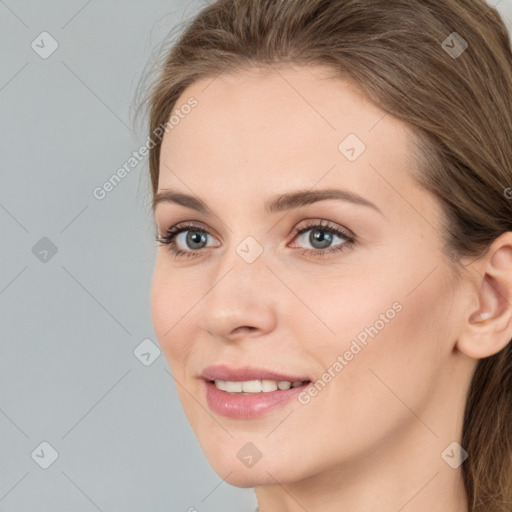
(399,53)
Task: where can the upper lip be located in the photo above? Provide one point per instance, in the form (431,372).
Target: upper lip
(224,372)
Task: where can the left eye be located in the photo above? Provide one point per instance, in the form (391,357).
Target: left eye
(194,237)
(321,237)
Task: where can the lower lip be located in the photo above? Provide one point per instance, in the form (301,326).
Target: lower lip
(247,406)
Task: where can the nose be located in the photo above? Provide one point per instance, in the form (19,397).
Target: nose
(242,299)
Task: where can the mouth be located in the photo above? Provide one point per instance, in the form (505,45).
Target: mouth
(251,380)
(249,392)
(254,387)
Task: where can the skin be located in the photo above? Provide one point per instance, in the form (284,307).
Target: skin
(372,438)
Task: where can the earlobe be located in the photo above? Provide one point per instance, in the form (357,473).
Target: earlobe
(488,328)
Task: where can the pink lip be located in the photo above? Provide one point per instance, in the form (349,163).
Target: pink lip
(223,372)
(246,406)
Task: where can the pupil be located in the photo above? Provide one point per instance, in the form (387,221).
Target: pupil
(317,236)
(195,238)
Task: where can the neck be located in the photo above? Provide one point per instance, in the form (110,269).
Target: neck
(406,475)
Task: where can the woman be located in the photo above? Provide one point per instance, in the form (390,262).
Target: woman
(332,193)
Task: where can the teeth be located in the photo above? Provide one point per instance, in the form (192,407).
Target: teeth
(269,385)
(233,387)
(251,386)
(220,384)
(255,386)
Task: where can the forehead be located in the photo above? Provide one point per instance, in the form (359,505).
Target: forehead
(272,129)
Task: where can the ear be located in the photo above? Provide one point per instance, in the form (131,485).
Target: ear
(487,329)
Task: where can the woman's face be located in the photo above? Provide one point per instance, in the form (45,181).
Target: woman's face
(363,310)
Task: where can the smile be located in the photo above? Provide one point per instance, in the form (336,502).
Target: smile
(250,387)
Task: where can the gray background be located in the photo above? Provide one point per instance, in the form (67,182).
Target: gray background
(70,321)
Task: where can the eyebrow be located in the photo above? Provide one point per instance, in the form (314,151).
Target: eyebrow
(282,202)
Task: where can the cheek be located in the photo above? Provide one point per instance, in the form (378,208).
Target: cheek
(345,309)
(400,360)
(170,312)
(170,305)
(393,334)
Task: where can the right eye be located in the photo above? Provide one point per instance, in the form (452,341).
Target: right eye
(194,236)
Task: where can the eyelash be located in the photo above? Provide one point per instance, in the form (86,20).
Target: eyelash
(172,233)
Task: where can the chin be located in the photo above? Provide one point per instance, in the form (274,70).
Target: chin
(249,477)
(245,479)
(230,463)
